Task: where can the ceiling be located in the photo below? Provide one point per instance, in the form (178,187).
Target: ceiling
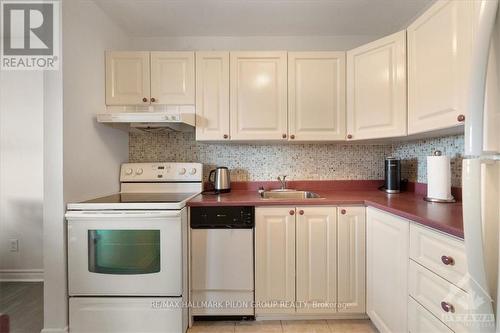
(170,18)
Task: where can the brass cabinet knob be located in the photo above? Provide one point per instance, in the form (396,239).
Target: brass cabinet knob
(461,118)
(144,99)
(343,211)
(153,99)
(283,136)
(225,136)
(292,136)
(291,212)
(349,136)
(301,212)
(447,260)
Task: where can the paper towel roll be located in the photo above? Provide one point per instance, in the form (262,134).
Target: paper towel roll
(439,178)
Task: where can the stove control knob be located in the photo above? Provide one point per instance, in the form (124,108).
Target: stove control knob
(192,171)
(182,171)
(129,171)
(139,171)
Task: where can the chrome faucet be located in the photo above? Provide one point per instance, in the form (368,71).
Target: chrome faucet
(282,180)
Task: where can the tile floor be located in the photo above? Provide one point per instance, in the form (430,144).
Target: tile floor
(296,326)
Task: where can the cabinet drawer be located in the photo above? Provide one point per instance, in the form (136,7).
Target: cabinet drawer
(441,254)
(422,321)
(435,293)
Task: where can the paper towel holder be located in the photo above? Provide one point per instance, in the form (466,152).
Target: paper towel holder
(438,153)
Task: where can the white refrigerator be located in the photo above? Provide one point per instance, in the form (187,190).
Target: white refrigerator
(481,172)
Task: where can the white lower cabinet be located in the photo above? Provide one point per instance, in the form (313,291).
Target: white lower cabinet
(442,254)
(422,321)
(347,261)
(309,259)
(444,300)
(351,259)
(274,260)
(438,280)
(387,241)
(316,250)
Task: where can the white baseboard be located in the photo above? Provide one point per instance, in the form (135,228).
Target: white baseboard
(55,330)
(21,275)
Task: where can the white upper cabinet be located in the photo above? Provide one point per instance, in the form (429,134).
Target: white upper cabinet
(127,78)
(144,78)
(316,96)
(439,52)
(172,78)
(212,96)
(376,89)
(258,95)
(316,259)
(351,259)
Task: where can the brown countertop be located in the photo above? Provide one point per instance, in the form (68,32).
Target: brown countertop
(410,205)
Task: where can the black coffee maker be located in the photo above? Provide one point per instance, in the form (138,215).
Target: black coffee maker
(392,168)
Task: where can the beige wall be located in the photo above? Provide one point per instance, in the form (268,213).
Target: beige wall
(92,152)
(21,174)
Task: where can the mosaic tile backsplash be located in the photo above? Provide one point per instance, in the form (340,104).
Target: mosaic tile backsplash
(413,155)
(265,161)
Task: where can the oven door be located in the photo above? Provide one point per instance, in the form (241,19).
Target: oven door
(125,253)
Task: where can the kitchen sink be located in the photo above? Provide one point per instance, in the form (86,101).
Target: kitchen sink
(289,194)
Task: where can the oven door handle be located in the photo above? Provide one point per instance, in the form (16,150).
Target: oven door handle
(86,214)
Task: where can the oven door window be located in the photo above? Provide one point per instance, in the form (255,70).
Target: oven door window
(124,251)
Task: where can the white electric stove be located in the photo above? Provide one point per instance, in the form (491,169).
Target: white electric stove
(127,252)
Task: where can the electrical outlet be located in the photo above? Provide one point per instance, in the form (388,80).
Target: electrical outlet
(14,245)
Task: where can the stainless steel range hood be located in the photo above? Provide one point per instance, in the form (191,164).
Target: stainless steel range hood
(178,119)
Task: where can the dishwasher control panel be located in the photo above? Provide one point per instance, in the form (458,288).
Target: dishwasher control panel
(223,217)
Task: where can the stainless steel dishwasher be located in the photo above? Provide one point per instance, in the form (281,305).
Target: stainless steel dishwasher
(222,261)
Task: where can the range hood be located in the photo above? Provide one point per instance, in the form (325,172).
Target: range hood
(164,118)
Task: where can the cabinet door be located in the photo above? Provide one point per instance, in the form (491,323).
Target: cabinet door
(439,51)
(172,78)
(275,260)
(376,89)
(316,259)
(387,270)
(212,95)
(127,78)
(258,96)
(316,95)
(351,259)
(422,321)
